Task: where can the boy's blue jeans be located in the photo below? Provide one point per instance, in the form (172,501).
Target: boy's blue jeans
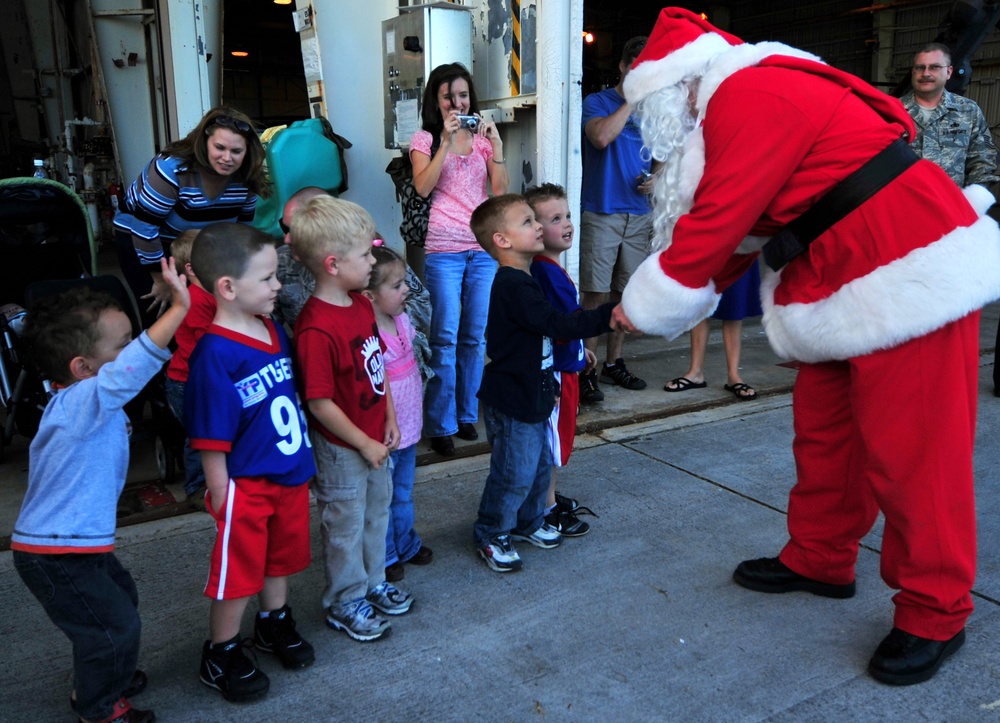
(520,471)
(401,541)
(459,285)
(93,600)
(194,475)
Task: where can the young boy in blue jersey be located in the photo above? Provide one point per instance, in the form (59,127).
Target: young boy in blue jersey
(569,356)
(243,413)
(519,389)
(64,537)
(339,351)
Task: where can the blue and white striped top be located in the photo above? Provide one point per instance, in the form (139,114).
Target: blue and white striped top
(167,199)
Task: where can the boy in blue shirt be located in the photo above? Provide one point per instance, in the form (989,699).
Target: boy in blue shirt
(569,356)
(518,390)
(64,537)
(243,413)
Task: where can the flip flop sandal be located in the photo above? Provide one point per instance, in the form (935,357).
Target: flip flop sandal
(743,392)
(682,384)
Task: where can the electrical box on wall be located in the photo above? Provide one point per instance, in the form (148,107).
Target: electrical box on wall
(421,38)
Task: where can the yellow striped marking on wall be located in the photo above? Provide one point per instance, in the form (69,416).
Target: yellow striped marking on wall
(515,48)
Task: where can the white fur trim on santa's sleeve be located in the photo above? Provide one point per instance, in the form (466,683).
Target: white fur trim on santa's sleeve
(908,298)
(657,304)
(979,198)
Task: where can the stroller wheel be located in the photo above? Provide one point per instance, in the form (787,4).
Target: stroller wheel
(165,464)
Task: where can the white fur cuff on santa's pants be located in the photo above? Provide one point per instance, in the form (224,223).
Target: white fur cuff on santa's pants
(912,296)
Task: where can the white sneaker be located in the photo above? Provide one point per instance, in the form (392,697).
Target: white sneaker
(388,599)
(545,537)
(357,619)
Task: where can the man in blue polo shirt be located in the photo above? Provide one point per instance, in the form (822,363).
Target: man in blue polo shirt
(616,224)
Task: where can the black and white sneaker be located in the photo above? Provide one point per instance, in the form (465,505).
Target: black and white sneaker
(225,667)
(500,555)
(545,537)
(276,634)
(567,523)
(566,504)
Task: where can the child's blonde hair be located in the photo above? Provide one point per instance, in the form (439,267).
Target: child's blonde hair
(490,217)
(325,225)
(180,248)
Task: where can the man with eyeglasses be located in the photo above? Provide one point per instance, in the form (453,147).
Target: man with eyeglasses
(951,130)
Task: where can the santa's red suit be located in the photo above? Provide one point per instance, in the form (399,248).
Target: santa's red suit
(882,310)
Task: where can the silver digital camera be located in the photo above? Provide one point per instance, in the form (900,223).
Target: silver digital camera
(468,121)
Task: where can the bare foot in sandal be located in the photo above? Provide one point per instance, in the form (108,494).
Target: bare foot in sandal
(682,384)
(743,392)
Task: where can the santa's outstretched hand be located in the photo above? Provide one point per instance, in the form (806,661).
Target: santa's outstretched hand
(620,321)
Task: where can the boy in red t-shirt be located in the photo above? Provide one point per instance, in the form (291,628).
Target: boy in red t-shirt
(354,423)
(198,319)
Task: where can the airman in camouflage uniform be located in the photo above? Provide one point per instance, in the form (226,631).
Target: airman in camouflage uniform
(951,130)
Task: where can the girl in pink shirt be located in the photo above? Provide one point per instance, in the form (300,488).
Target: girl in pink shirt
(387,290)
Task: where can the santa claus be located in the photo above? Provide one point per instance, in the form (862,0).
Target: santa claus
(881,308)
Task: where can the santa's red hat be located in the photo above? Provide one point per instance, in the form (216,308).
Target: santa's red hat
(680,46)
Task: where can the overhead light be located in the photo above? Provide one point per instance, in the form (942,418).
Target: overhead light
(704,16)
(282,2)
(240,54)
(588,38)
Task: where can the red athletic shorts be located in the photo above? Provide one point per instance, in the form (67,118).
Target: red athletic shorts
(262,531)
(562,422)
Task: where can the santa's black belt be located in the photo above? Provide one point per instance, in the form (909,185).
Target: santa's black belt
(794,239)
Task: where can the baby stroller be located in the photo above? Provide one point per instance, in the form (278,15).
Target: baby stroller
(46,247)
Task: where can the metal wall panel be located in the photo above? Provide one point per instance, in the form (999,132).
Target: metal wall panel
(828,29)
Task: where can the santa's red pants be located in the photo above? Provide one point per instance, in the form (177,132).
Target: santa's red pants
(892,430)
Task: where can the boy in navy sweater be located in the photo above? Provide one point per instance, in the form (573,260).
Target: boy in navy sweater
(519,389)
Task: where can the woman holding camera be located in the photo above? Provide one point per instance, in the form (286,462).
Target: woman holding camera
(453,158)
(213,174)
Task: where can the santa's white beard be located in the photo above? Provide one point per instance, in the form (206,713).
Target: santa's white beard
(667,124)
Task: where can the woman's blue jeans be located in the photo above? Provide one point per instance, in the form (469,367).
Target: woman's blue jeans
(401,541)
(459,285)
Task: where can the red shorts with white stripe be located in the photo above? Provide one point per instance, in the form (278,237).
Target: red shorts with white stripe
(562,422)
(262,531)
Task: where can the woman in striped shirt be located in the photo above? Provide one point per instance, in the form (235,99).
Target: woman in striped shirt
(213,174)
